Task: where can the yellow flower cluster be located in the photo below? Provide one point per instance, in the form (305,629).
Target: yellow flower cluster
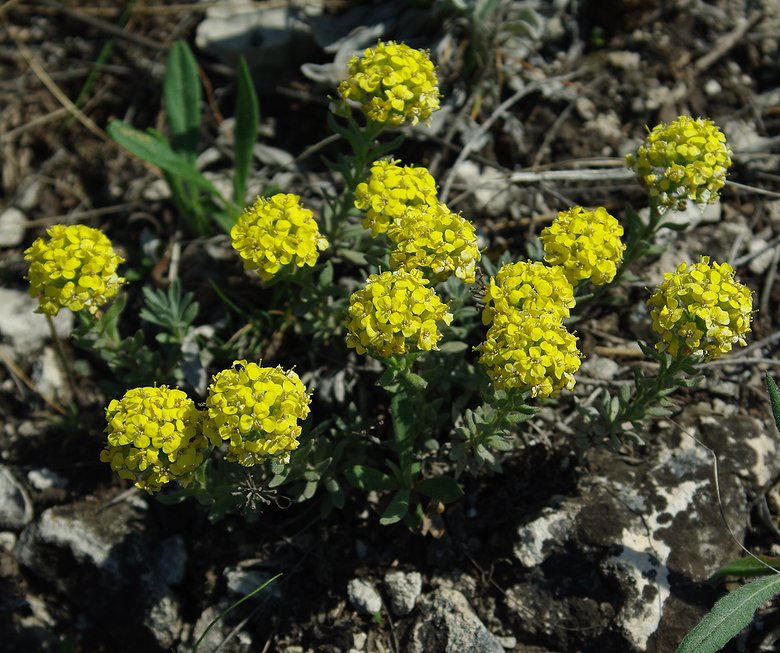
(686,159)
(700,309)
(154,436)
(390,190)
(75,268)
(394,313)
(393,83)
(256,411)
(586,244)
(527,286)
(277,231)
(434,238)
(533,352)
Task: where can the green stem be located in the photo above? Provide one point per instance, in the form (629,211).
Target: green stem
(363,145)
(649,391)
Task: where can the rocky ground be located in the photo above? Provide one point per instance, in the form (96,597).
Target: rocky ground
(570,549)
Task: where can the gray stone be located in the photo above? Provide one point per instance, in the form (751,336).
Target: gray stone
(105,550)
(242,581)
(644,538)
(46,479)
(364,597)
(403,589)
(24,330)
(170,560)
(446,623)
(16,510)
(269,38)
(216,638)
(12,227)
(49,378)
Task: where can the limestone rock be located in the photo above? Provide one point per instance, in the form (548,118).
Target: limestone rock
(16,510)
(100,560)
(447,624)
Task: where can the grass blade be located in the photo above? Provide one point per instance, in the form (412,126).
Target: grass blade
(182,95)
(247,120)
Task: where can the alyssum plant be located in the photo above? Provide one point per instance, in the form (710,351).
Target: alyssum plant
(415,311)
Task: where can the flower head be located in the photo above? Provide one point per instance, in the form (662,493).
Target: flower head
(75,268)
(154,437)
(528,286)
(394,313)
(277,231)
(701,309)
(256,411)
(533,352)
(686,159)
(393,83)
(434,238)
(586,244)
(390,190)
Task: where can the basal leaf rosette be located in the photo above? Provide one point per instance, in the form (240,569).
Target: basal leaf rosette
(435,239)
(531,352)
(530,287)
(390,190)
(255,410)
(586,244)
(396,312)
(685,160)
(73,267)
(701,310)
(393,83)
(277,231)
(154,437)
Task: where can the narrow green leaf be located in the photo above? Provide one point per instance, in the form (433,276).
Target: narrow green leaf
(454,347)
(157,152)
(729,615)
(774,398)
(247,120)
(442,488)
(397,508)
(182,95)
(367,478)
(748,567)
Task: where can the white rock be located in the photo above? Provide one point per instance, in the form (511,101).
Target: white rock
(537,538)
(403,590)
(265,36)
(22,328)
(49,378)
(760,263)
(16,510)
(446,623)
(364,597)
(45,479)
(12,227)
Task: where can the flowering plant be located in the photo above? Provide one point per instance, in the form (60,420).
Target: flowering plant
(417,390)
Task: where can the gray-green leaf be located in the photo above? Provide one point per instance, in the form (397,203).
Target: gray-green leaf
(729,615)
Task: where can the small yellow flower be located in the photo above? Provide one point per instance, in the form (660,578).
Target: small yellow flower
(686,159)
(277,231)
(390,190)
(435,239)
(74,268)
(154,437)
(586,244)
(533,352)
(528,286)
(393,83)
(701,310)
(256,411)
(395,313)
